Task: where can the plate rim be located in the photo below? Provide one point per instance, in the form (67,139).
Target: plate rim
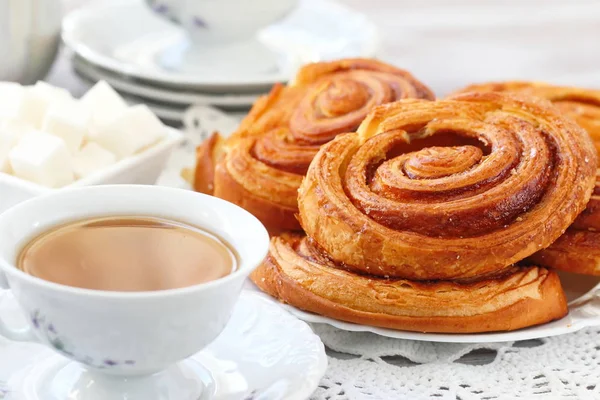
(74,19)
(571,324)
(144,90)
(313,379)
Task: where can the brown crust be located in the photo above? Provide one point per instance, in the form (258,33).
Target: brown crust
(267,113)
(578,250)
(526,296)
(275,217)
(583,105)
(311,72)
(266,158)
(360,203)
(206,157)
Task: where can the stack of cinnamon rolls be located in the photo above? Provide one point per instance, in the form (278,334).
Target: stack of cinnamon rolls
(388,207)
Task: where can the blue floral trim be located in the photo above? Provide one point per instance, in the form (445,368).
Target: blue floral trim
(48,330)
(4,390)
(200,23)
(162,9)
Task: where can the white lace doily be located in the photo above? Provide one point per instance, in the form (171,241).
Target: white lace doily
(200,122)
(367,366)
(370,367)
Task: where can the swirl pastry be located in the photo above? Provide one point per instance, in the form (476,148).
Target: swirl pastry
(583,105)
(297,273)
(578,250)
(263,164)
(451,189)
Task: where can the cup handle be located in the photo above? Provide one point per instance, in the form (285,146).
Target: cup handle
(19,335)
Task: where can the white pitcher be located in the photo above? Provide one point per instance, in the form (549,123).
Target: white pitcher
(29,38)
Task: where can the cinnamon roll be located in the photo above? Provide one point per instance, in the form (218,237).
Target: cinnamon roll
(297,273)
(451,189)
(417,221)
(578,250)
(262,165)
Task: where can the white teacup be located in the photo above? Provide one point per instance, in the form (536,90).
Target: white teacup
(222,21)
(123,337)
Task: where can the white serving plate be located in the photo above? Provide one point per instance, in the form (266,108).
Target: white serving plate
(583,293)
(142,168)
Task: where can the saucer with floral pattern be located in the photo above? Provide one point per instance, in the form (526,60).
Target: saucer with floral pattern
(264,353)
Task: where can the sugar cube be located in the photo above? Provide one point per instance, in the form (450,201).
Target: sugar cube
(10,132)
(104,103)
(37,99)
(134,130)
(42,158)
(10,98)
(17,126)
(92,158)
(68,121)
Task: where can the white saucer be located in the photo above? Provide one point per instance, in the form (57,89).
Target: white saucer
(127,38)
(177,98)
(263,353)
(582,291)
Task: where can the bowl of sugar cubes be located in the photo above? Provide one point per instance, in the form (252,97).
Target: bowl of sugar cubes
(50,140)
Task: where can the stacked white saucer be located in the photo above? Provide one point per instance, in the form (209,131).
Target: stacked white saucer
(201,54)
